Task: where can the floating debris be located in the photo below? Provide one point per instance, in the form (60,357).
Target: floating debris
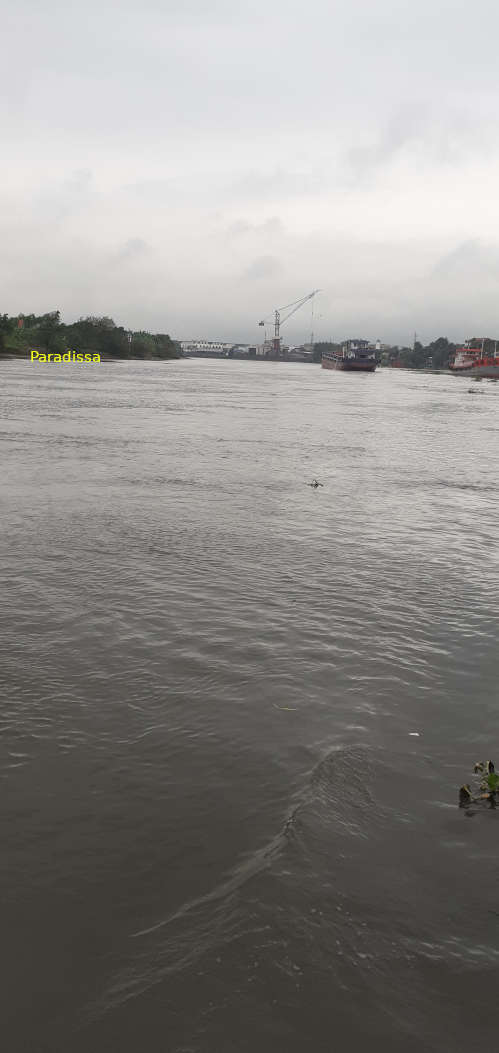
(486,789)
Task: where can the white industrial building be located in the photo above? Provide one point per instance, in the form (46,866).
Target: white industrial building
(204,345)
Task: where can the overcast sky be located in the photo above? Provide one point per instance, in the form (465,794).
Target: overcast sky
(189,165)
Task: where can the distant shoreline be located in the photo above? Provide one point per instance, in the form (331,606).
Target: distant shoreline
(23,355)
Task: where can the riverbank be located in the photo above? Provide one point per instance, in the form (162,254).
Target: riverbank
(46,333)
(24,354)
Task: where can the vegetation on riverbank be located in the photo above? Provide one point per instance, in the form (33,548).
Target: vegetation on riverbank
(46,332)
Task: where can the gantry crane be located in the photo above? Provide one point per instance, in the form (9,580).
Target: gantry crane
(279,320)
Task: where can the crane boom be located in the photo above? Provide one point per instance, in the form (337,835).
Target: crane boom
(279,320)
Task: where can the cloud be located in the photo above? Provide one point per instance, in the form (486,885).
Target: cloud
(269,228)
(54,201)
(471,260)
(263,267)
(420,133)
(133,249)
(170,146)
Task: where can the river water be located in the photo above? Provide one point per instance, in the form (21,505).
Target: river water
(235,711)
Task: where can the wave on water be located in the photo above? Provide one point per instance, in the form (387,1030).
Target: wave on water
(338,905)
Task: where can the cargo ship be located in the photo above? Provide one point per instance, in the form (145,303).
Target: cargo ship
(357,356)
(473,362)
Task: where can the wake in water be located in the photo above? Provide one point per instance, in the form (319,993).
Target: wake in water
(340,904)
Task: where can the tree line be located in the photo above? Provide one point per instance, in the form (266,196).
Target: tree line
(30,331)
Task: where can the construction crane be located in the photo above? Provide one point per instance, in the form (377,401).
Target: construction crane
(279,318)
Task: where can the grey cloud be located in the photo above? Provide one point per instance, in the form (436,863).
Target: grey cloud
(263,267)
(156,191)
(472,260)
(133,249)
(272,226)
(269,228)
(172,145)
(59,199)
(239,227)
(404,127)
(442,135)
(277,183)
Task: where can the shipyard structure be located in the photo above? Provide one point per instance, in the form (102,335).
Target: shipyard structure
(265,350)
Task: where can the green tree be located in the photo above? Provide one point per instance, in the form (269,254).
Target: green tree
(50,331)
(439,351)
(142,345)
(100,323)
(93,333)
(98,334)
(6,327)
(165,347)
